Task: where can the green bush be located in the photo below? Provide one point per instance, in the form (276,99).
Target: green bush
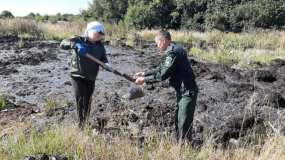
(242,15)
(140,16)
(6,14)
(192,13)
(236,15)
(111,10)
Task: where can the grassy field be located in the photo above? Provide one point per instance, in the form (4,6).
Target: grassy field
(230,48)
(242,49)
(74,144)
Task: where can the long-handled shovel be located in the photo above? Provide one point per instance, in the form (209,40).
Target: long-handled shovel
(134,92)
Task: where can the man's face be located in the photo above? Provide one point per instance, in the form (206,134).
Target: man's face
(95,36)
(161,43)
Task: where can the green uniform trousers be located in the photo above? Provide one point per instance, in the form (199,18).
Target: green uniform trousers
(184,114)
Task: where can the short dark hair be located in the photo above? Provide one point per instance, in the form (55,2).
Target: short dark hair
(164,34)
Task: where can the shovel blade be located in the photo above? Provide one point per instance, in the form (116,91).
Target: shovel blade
(135,92)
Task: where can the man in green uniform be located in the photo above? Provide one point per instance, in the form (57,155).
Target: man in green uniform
(177,68)
(83,71)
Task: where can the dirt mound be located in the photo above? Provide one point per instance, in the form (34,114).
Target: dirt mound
(231,102)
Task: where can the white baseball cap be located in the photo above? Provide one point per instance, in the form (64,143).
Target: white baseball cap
(94,27)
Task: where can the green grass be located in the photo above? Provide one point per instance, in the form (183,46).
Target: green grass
(62,30)
(21,27)
(259,39)
(29,28)
(70,142)
(215,56)
(243,59)
(229,48)
(2,102)
(50,104)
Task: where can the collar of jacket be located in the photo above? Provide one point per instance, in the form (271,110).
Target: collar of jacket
(91,43)
(170,48)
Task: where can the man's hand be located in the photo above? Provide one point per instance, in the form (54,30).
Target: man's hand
(139,74)
(140,81)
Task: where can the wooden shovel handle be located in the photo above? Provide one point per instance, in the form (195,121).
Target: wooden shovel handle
(127,77)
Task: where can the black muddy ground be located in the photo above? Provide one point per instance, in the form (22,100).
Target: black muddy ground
(231,102)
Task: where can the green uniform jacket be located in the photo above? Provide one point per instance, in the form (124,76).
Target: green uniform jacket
(81,66)
(177,68)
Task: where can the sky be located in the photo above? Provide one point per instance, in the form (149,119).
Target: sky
(24,7)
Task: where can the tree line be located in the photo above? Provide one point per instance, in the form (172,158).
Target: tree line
(201,15)
(43,18)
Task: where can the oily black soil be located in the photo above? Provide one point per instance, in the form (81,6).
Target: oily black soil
(232,103)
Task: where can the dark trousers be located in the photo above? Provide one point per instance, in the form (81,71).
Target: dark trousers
(186,103)
(83,90)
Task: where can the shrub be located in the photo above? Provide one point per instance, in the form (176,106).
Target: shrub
(108,10)
(6,14)
(236,16)
(140,16)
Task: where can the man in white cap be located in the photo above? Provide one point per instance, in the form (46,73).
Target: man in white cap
(84,71)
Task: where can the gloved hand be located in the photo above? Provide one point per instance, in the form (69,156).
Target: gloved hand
(139,74)
(81,50)
(109,67)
